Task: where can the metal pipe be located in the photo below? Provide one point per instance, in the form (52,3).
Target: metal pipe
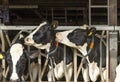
(7,37)
(107,56)
(75,65)
(3,50)
(89,12)
(108,12)
(98,27)
(39,62)
(65,70)
(101,55)
(44,68)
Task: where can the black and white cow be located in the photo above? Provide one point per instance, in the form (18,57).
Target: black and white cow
(17,60)
(84,40)
(43,37)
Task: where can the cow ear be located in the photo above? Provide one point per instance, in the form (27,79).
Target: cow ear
(1,56)
(91,31)
(54,24)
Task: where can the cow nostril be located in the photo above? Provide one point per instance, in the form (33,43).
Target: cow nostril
(27,39)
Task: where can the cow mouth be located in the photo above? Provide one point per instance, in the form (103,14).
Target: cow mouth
(58,39)
(29,41)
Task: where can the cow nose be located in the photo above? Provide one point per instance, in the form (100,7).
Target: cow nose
(58,36)
(28,40)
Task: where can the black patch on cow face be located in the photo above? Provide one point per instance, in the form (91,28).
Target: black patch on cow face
(43,35)
(78,36)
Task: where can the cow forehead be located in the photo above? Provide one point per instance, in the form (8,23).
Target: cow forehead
(16,50)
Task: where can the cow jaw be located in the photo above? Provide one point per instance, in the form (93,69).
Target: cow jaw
(83,49)
(16,52)
(41,46)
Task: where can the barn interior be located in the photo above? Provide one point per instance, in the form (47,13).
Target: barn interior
(72,12)
(67,13)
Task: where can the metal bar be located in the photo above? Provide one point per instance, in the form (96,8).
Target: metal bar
(44,67)
(39,62)
(113,54)
(65,70)
(107,57)
(3,50)
(98,27)
(99,6)
(108,12)
(75,65)
(89,13)
(112,12)
(22,6)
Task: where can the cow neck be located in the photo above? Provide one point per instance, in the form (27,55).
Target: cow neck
(54,44)
(91,46)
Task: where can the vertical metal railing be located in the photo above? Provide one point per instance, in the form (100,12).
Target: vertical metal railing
(107,57)
(75,65)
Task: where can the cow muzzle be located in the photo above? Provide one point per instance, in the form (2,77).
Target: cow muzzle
(58,37)
(29,41)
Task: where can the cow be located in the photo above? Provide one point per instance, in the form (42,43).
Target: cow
(117,78)
(17,59)
(85,41)
(43,37)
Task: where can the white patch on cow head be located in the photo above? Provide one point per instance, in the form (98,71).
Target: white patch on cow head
(29,39)
(62,38)
(16,52)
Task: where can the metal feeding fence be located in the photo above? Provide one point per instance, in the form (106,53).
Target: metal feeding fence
(112,33)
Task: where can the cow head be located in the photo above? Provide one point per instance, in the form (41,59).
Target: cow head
(77,38)
(41,36)
(16,58)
